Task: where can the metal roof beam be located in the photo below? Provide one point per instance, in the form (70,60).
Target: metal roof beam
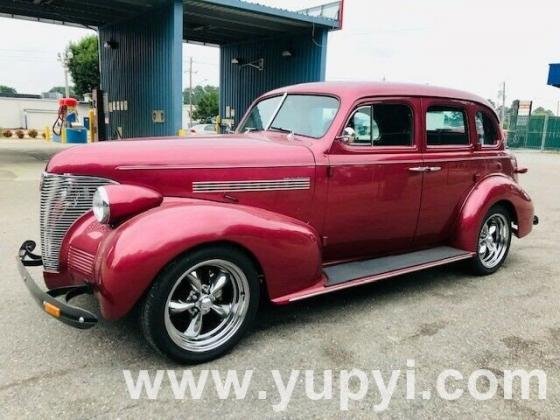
(267,11)
(224,20)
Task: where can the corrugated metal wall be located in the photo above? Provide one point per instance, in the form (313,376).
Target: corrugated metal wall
(240,85)
(144,72)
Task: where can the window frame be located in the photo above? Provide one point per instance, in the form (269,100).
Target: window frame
(414,147)
(453,104)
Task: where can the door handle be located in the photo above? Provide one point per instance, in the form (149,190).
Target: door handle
(419,169)
(434,168)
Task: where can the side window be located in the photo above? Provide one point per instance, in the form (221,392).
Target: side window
(446,126)
(486,129)
(382,125)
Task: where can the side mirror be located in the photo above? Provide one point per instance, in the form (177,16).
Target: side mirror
(348,135)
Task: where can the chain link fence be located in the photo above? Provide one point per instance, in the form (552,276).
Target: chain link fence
(542,132)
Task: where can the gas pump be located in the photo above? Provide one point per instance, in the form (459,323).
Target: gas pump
(67,114)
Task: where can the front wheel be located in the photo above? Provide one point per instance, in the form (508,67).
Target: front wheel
(201,304)
(494,240)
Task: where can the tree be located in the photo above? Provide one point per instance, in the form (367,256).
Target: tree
(207,106)
(197,93)
(84,64)
(541,111)
(62,90)
(7,89)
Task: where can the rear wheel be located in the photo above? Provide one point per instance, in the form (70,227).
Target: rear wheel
(200,305)
(494,240)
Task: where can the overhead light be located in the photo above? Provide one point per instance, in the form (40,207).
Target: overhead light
(286,53)
(235,60)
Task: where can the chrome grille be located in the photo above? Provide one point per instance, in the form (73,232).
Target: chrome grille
(64,198)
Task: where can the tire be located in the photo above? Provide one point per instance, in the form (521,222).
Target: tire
(201,304)
(492,252)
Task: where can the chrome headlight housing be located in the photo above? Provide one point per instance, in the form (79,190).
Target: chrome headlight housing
(100,205)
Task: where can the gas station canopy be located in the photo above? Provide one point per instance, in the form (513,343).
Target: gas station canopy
(214,22)
(261,48)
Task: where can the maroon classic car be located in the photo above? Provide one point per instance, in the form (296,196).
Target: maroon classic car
(324,186)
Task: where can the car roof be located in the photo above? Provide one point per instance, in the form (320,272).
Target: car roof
(364,89)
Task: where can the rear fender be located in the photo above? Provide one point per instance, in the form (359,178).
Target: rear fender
(133,254)
(488,192)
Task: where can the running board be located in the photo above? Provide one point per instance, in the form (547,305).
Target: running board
(342,273)
(346,275)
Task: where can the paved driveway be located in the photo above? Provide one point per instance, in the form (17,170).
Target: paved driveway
(442,319)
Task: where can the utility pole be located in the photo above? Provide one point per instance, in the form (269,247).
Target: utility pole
(190,91)
(503,111)
(64,59)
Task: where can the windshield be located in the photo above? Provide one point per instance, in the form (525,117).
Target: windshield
(306,115)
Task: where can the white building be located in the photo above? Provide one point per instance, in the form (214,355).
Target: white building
(28,113)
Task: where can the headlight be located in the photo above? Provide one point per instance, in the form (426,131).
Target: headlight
(100,205)
(114,203)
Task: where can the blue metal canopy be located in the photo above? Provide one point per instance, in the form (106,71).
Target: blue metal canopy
(261,48)
(215,22)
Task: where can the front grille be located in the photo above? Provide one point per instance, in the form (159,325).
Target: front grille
(64,198)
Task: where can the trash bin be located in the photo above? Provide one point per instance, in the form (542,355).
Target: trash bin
(76,135)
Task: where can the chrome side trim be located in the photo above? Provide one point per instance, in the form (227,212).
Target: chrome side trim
(253,185)
(158,167)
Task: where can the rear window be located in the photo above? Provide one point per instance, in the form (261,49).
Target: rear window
(446,126)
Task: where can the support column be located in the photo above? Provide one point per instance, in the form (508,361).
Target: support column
(141,71)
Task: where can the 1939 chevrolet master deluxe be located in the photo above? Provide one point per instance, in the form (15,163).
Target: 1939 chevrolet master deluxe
(324,186)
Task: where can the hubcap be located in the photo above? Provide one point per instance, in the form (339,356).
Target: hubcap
(207,305)
(493,240)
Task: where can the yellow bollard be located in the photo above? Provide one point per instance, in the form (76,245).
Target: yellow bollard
(182,132)
(91,128)
(63,135)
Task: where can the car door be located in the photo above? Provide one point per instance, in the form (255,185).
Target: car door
(374,189)
(449,154)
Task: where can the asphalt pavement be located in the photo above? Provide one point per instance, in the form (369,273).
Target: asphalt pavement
(441,319)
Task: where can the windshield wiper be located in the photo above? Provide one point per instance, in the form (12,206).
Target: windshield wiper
(282,130)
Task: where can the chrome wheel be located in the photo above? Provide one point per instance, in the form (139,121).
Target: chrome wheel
(493,241)
(207,305)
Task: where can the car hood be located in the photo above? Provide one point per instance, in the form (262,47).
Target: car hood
(108,159)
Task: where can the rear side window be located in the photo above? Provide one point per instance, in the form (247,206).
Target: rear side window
(382,125)
(446,126)
(486,129)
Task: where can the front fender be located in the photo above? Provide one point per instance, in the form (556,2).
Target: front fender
(489,191)
(131,256)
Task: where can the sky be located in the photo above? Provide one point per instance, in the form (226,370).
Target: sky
(473,45)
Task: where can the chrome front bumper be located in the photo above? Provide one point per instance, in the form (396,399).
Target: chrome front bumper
(57,308)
